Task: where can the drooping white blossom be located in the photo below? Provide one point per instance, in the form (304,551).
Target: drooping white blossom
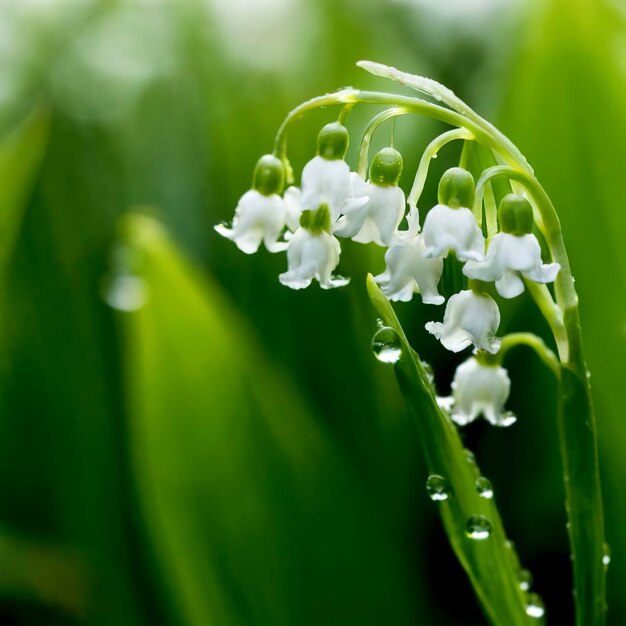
(455,229)
(407,270)
(258,218)
(480,388)
(328,182)
(470,318)
(312,255)
(376,219)
(508,258)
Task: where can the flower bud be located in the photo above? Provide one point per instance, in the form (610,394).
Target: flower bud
(269,175)
(386,168)
(332,142)
(456,188)
(515,215)
(316,221)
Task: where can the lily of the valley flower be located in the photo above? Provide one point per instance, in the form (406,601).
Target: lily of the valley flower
(481,388)
(326,178)
(450,225)
(471,317)
(407,270)
(260,214)
(376,219)
(513,252)
(313,253)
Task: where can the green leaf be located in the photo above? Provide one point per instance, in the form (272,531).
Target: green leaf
(491,564)
(20,156)
(253,512)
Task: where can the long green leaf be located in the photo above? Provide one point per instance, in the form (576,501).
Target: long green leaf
(490,563)
(253,512)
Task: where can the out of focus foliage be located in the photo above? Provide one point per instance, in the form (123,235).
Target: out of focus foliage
(183,440)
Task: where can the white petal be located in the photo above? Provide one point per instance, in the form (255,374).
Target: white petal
(490,268)
(448,229)
(257,218)
(312,256)
(470,318)
(407,271)
(543,273)
(510,285)
(293,208)
(479,388)
(325,182)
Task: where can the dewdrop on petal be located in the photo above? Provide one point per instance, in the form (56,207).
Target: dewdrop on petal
(377,219)
(514,251)
(260,214)
(481,388)
(471,317)
(407,270)
(450,225)
(313,253)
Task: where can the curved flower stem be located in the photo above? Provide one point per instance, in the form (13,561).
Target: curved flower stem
(537,344)
(374,123)
(576,415)
(429,154)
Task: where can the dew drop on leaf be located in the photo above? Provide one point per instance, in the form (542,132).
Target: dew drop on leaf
(478,527)
(386,345)
(525,580)
(125,292)
(535,606)
(437,488)
(484,488)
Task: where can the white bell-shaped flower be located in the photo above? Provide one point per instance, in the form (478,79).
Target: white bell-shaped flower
(513,252)
(377,218)
(407,270)
(258,218)
(471,318)
(293,208)
(313,253)
(326,178)
(450,225)
(260,214)
(481,388)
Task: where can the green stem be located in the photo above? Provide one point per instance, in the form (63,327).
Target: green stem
(537,344)
(429,154)
(374,123)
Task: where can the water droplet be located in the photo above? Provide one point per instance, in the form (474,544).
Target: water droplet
(478,527)
(535,606)
(430,372)
(606,555)
(484,488)
(386,345)
(525,580)
(470,456)
(437,488)
(125,292)
(380,323)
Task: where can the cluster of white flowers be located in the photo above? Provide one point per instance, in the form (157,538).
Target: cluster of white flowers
(335,202)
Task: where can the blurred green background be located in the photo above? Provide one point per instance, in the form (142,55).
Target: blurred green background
(183,440)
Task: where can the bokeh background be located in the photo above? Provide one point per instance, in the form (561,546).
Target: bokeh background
(183,440)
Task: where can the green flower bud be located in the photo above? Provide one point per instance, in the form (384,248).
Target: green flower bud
(269,175)
(456,188)
(386,167)
(316,221)
(515,215)
(332,142)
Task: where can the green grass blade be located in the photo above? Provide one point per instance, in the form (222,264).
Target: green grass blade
(490,564)
(254,513)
